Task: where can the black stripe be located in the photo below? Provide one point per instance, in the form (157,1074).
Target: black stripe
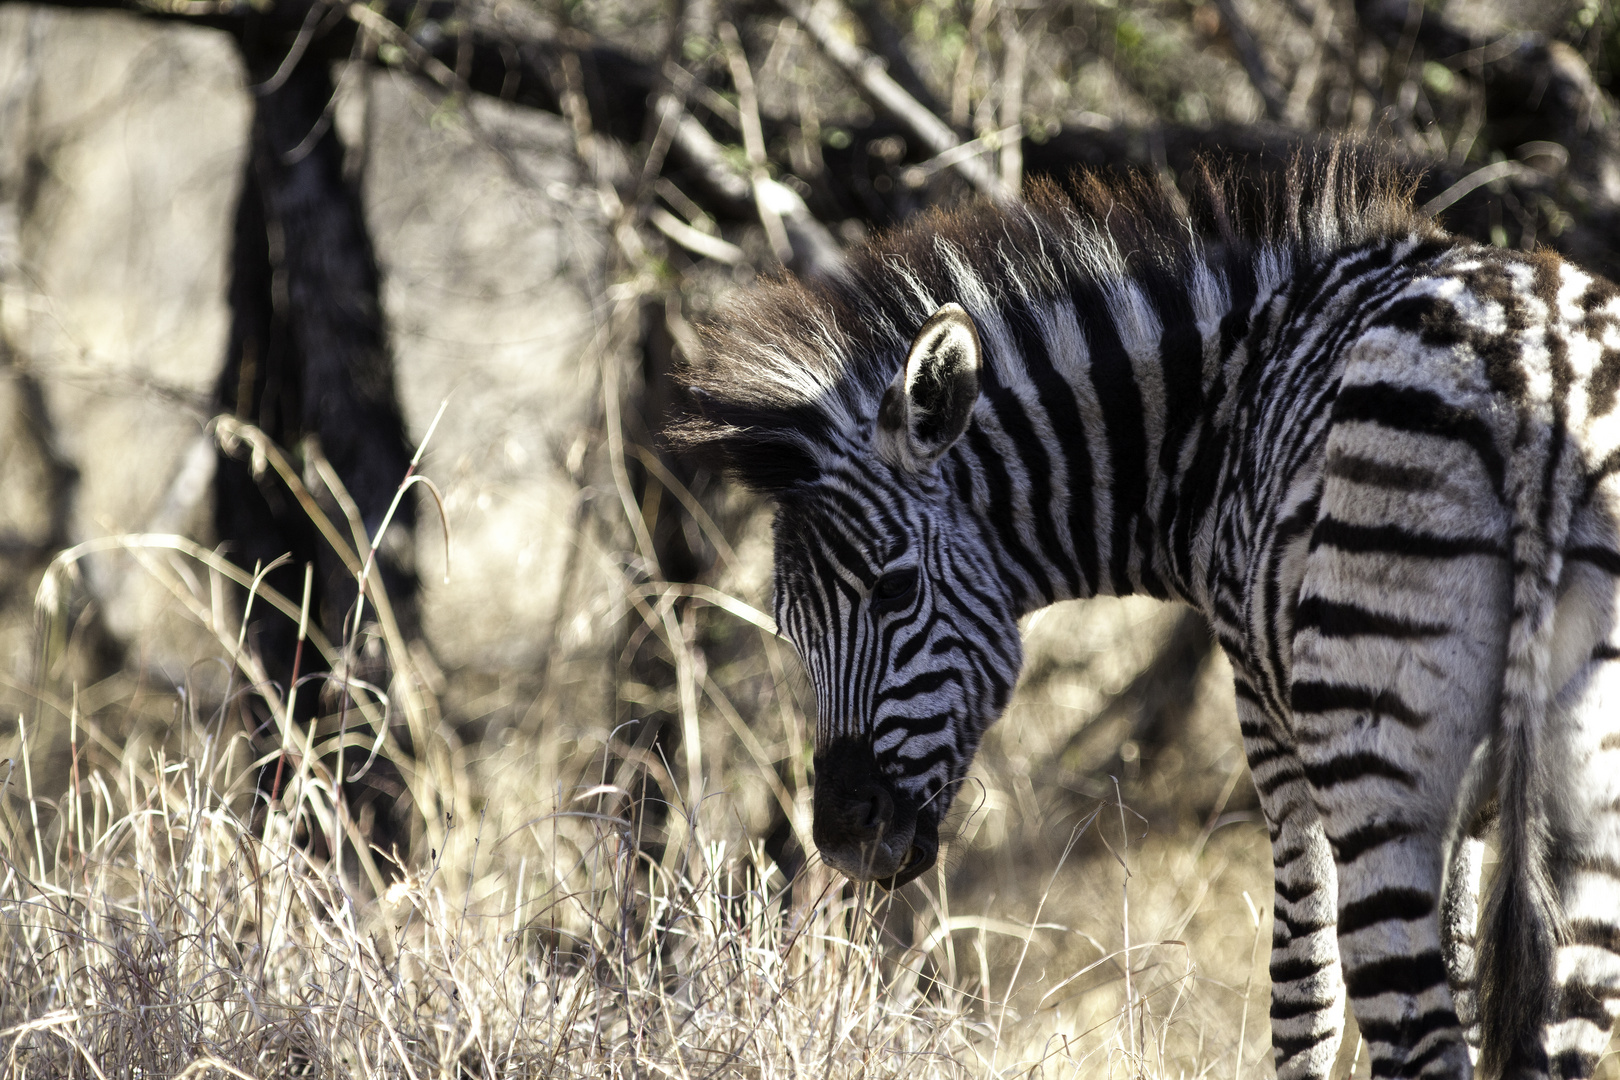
(1414,1066)
(951,591)
(1598,862)
(1267,754)
(1583,1001)
(1250,729)
(1405,974)
(1410,1030)
(912,726)
(1289,1010)
(923,683)
(869,505)
(920,635)
(1574,1062)
(1294,1045)
(1398,903)
(1298,928)
(1003,518)
(823,600)
(1031,451)
(1397,540)
(919,766)
(1611,461)
(1245,692)
(1242,288)
(1602,558)
(1357,842)
(1592,932)
(1277,780)
(1225,612)
(1286,856)
(1371,473)
(1310,696)
(1119,400)
(1296,892)
(1334,619)
(1198,487)
(1181,364)
(1420,412)
(1347,768)
(1354,281)
(961,473)
(1057,397)
(1276,600)
(1294,968)
(832,533)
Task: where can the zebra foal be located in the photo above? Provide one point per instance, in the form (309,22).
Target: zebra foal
(1384,462)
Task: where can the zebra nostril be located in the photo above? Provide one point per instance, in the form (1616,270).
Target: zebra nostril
(879,811)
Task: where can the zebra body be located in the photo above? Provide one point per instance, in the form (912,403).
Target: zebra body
(1380,460)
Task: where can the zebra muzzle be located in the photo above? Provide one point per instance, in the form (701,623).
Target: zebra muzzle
(865,827)
(924,850)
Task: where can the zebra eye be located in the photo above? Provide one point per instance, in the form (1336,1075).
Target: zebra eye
(895,589)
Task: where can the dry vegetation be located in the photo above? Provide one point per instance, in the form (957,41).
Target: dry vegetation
(587,883)
(163,917)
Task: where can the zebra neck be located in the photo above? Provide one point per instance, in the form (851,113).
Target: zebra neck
(1092,461)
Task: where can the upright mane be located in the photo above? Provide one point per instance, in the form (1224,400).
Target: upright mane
(792,364)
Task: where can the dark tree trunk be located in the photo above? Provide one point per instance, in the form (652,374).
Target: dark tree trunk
(308,358)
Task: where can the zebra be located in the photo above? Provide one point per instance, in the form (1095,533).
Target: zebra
(1383,461)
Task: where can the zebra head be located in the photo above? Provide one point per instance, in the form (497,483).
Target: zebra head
(910,645)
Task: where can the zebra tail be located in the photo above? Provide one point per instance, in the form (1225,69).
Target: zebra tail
(1524,919)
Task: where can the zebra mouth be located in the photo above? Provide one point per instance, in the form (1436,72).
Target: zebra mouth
(919,858)
(866,827)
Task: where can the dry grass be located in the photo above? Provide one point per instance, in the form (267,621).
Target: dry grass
(158,935)
(161,917)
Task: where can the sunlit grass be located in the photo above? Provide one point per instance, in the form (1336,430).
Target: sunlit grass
(149,930)
(165,914)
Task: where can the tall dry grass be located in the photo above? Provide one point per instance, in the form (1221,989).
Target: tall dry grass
(164,916)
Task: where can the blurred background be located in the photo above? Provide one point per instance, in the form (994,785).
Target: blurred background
(259,261)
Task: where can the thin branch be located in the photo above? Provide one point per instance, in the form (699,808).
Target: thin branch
(1013,68)
(754,141)
(694,240)
(1501,170)
(1254,63)
(887,40)
(868,74)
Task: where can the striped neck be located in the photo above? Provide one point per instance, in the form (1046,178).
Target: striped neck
(1093,461)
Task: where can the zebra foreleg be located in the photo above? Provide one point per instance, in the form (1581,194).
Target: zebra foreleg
(1307,987)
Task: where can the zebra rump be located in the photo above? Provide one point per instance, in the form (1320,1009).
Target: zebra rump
(1381,460)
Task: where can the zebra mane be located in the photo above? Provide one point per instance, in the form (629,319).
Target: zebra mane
(794,368)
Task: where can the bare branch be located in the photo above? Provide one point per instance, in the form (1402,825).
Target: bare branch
(867,72)
(754,140)
(888,42)
(1012,100)
(1254,63)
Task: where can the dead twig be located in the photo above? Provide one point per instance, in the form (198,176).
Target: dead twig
(1253,61)
(754,142)
(868,74)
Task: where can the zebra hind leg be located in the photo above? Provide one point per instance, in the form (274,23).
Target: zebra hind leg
(1464,857)
(1582,740)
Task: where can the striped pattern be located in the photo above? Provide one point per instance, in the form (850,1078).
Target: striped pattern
(1384,462)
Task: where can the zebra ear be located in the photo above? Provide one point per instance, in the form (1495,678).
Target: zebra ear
(930,403)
